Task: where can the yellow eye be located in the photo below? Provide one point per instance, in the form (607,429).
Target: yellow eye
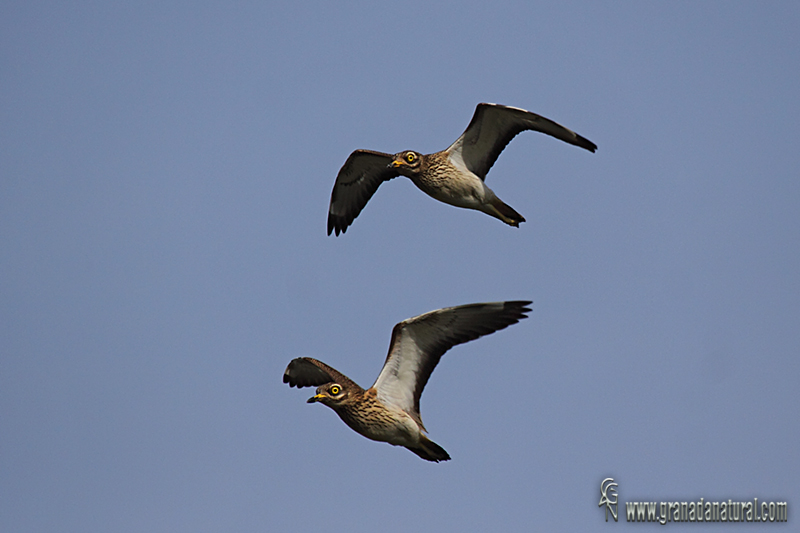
(410,157)
(335,390)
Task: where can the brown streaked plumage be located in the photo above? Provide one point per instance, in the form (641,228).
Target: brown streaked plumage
(454,176)
(389,410)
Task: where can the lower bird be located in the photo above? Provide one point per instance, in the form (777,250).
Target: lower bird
(454,176)
(389,410)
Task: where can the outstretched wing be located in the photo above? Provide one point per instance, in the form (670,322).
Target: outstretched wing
(359,178)
(418,343)
(308,372)
(492,128)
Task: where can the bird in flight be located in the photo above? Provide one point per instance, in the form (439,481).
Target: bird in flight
(454,176)
(389,410)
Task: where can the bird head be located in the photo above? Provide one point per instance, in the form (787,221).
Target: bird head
(330,394)
(407,162)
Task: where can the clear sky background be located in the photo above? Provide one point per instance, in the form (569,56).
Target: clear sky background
(165,173)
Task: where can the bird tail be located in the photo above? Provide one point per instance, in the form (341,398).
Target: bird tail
(503,211)
(429,450)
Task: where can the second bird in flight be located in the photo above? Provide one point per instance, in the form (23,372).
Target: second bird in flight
(454,176)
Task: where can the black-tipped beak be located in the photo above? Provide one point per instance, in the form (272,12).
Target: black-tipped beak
(314,398)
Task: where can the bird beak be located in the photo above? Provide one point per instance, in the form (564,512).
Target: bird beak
(315,398)
(396,164)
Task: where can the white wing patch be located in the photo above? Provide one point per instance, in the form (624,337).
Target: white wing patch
(418,344)
(396,382)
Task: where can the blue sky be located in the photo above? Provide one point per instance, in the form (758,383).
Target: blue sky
(165,172)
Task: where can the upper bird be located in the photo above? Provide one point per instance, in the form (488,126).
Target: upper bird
(389,410)
(454,176)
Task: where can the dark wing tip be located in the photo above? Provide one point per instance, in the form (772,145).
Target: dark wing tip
(306,372)
(288,374)
(517,310)
(583,142)
(579,140)
(357,181)
(333,224)
(337,224)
